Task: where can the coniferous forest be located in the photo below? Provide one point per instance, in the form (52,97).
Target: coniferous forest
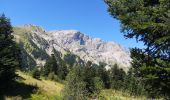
(147,21)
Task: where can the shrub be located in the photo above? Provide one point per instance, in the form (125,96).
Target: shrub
(53,76)
(35,73)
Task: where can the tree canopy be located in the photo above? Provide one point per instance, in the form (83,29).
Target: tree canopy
(9,53)
(147,21)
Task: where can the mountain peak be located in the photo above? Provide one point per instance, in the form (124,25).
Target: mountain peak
(32,27)
(64,31)
(71,33)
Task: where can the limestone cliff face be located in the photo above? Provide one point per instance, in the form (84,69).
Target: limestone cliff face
(87,48)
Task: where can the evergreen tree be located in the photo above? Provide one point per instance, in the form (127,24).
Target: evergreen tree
(88,75)
(149,22)
(93,82)
(98,84)
(62,71)
(117,77)
(75,88)
(9,53)
(155,78)
(83,79)
(35,73)
(133,85)
(103,74)
(70,59)
(50,66)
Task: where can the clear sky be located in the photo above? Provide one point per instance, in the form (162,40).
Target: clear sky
(88,16)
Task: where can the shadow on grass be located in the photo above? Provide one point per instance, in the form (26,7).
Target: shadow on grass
(18,90)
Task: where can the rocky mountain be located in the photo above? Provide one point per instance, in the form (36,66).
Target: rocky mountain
(37,45)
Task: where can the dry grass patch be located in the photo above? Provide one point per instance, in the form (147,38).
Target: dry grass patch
(118,95)
(49,87)
(46,89)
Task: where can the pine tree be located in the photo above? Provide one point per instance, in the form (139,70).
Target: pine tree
(9,53)
(75,88)
(35,73)
(94,83)
(103,74)
(50,66)
(62,71)
(117,77)
(147,21)
(88,75)
(133,85)
(98,84)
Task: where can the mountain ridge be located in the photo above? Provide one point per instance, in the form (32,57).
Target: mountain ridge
(88,48)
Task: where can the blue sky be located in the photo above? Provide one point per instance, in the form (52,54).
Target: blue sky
(88,16)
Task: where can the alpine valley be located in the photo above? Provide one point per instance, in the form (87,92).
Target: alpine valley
(37,45)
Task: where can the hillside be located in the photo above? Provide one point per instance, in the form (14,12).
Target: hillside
(44,89)
(50,90)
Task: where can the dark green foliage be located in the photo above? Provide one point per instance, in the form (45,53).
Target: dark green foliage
(94,83)
(103,74)
(126,81)
(35,73)
(55,65)
(133,85)
(88,74)
(149,22)
(75,88)
(70,59)
(98,84)
(27,62)
(117,77)
(5,26)
(9,53)
(155,78)
(82,82)
(62,71)
(50,66)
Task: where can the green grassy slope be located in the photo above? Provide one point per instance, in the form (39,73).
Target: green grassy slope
(118,95)
(50,90)
(46,89)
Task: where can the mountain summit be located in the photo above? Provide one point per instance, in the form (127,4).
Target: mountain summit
(35,38)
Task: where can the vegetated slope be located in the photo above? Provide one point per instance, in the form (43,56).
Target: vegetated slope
(38,44)
(32,54)
(50,90)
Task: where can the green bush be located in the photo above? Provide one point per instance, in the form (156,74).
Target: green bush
(53,76)
(98,83)
(35,73)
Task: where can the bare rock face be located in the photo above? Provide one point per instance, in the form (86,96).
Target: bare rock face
(87,48)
